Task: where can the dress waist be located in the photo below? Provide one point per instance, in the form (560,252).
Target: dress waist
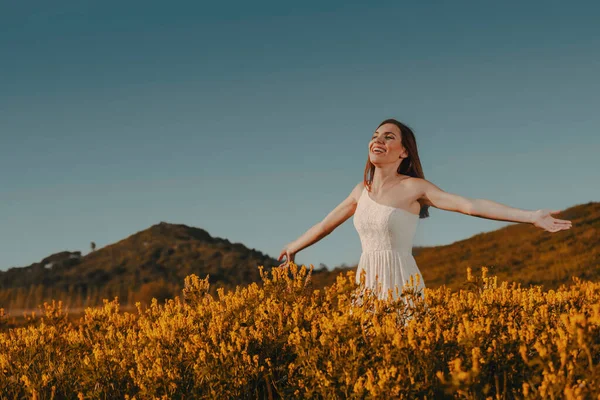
(399,251)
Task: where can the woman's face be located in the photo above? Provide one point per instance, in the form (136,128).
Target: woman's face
(386,138)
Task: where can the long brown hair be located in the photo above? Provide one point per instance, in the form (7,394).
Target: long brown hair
(410,166)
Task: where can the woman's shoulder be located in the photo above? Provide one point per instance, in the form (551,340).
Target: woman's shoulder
(414,180)
(358,190)
(407,180)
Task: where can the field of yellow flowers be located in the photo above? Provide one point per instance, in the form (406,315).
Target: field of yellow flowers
(282,339)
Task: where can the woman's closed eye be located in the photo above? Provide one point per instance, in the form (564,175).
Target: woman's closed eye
(387,137)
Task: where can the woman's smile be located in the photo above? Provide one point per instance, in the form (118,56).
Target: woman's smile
(378,150)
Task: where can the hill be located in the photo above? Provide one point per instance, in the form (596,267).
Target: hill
(518,252)
(155,261)
(522,253)
(152,262)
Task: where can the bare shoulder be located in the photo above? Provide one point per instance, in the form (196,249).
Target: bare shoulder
(419,187)
(357,191)
(419,184)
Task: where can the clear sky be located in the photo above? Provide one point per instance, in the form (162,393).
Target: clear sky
(251,120)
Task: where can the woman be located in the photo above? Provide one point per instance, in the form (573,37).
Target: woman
(387,205)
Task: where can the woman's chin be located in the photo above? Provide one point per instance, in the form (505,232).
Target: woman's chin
(377,157)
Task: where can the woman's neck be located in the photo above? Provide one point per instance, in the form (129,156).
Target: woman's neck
(383,177)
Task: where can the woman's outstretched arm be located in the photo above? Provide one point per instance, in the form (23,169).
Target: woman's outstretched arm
(432,195)
(320,230)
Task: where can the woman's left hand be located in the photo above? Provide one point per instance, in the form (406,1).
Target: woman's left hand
(543,219)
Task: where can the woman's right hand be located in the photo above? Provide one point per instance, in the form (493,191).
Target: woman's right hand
(289,253)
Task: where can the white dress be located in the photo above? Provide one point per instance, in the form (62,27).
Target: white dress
(386,235)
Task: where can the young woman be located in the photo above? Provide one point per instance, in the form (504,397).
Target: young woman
(387,206)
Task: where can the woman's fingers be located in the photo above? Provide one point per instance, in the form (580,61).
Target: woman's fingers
(558,227)
(289,257)
(563,223)
(283,253)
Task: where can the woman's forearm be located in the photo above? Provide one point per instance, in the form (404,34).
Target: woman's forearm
(311,236)
(489,209)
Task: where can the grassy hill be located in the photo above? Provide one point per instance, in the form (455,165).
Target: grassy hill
(522,253)
(518,252)
(150,263)
(155,261)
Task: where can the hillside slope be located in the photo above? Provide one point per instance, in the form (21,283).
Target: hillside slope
(155,261)
(518,252)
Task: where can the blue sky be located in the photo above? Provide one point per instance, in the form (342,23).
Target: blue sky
(252,119)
